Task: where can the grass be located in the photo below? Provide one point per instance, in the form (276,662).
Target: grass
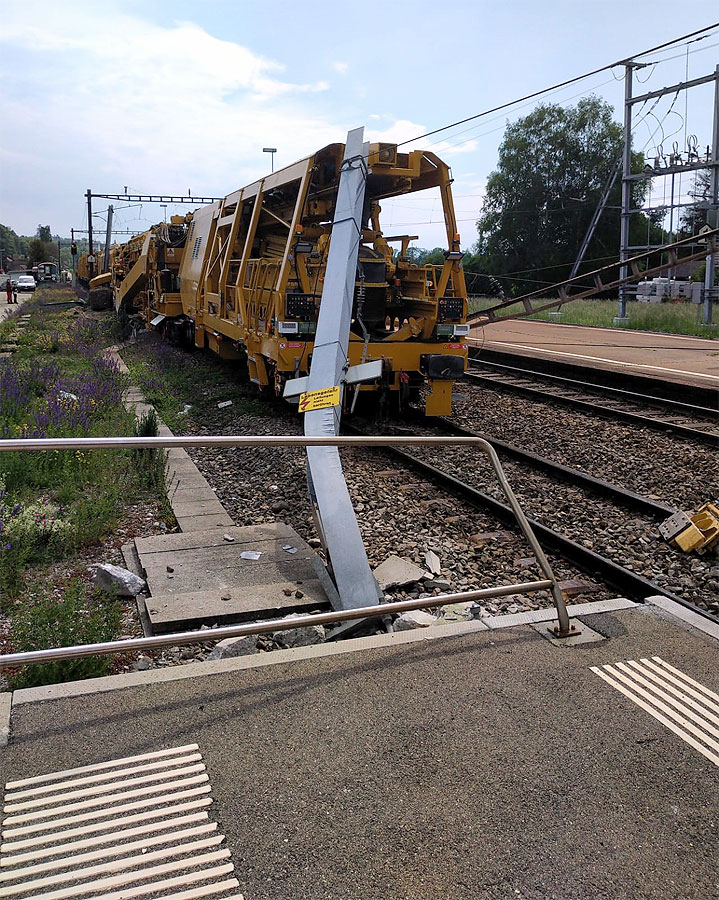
(54,505)
(667,318)
(173,379)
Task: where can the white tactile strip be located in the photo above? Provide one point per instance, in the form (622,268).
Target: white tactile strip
(683,705)
(117,830)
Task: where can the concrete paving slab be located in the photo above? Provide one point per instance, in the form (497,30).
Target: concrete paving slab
(200,523)
(241,603)
(201,579)
(212,538)
(488,766)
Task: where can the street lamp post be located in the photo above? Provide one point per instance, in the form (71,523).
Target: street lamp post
(272,151)
(164,206)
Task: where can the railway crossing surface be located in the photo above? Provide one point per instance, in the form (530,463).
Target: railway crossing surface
(471,760)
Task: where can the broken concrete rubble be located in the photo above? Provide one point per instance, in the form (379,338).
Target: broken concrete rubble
(396,572)
(232,647)
(415,618)
(116,580)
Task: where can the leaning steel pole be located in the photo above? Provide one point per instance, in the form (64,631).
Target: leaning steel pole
(356,585)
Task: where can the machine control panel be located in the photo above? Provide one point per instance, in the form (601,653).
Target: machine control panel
(449,308)
(300,306)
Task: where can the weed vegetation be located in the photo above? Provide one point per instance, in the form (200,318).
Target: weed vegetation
(182,385)
(60,382)
(666,318)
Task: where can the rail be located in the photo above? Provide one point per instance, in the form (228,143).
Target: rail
(563,629)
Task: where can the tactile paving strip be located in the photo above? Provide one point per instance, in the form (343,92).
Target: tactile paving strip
(683,705)
(117,830)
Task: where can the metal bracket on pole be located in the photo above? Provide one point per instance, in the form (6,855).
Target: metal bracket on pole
(339,531)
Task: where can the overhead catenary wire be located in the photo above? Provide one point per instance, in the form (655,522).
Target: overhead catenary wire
(561,84)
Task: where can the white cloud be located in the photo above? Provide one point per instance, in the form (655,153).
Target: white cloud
(118,100)
(108,99)
(341,67)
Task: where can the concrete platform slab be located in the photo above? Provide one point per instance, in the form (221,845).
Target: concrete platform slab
(489,766)
(201,578)
(671,357)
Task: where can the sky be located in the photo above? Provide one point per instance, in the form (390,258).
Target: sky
(176,96)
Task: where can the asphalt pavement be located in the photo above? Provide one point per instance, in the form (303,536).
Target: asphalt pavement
(492,765)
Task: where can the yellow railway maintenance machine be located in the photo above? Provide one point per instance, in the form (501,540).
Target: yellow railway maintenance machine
(252,272)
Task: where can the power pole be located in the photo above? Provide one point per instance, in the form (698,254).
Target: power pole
(108,237)
(677,165)
(89,231)
(713,211)
(621,317)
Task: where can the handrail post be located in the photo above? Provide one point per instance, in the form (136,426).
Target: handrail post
(564,627)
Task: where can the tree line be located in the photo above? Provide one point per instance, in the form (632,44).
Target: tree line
(18,249)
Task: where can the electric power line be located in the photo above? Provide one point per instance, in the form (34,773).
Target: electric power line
(561,84)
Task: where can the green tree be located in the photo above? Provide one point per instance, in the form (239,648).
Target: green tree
(553,165)
(43,232)
(13,248)
(38,251)
(695,217)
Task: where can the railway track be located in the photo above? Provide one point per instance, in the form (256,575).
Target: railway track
(698,421)
(628,582)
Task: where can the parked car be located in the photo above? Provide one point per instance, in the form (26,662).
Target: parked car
(26,283)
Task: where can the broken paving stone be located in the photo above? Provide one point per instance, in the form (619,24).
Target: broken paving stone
(458,612)
(233,647)
(300,637)
(116,580)
(432,562)
(415,618)
(395,572)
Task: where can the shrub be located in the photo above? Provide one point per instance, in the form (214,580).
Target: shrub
(78,617)
(26,531)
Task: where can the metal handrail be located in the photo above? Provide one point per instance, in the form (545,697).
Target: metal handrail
(266,626)
(563,629)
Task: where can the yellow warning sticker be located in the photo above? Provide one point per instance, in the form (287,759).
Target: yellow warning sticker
(320,399)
